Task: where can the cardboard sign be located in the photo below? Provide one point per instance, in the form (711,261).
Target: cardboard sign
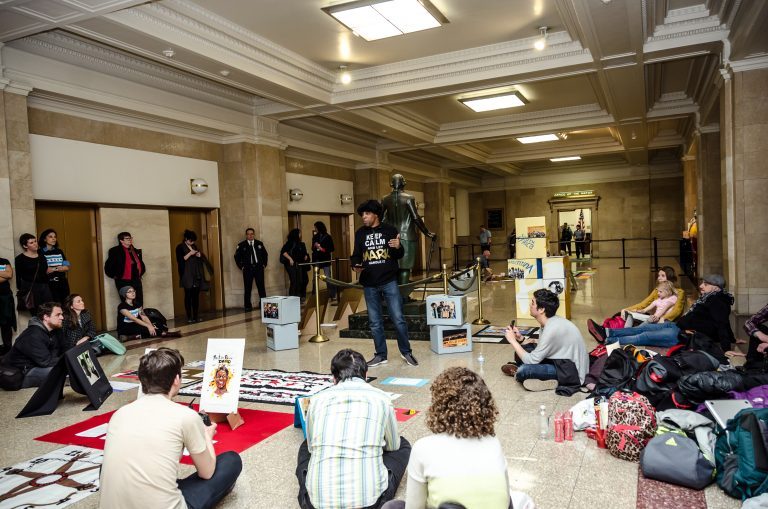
(280,310)
(531,247)
(446,310)
(553,267)
(531,227)
(221,376)
(528,268)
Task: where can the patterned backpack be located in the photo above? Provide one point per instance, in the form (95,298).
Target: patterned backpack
(631,424)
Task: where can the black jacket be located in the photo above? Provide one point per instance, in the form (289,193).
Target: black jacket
(372,252)
(322,254)
(243,257)
(36,347)
(711,317)
(115,263)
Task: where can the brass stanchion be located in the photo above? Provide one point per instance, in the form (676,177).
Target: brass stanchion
(445,280)
(480,320)
(318,337)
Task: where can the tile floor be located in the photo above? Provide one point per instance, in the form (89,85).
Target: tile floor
(568,475)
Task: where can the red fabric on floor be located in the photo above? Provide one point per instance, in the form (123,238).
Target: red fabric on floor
(259,424)
(401,414)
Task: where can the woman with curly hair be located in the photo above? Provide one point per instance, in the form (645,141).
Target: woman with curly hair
(463,462)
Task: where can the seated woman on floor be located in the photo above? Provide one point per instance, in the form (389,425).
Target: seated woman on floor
(78,325)
(463,462)
(659,307)
(132,323)
(665,273)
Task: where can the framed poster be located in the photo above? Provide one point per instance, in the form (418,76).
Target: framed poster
(494,219)
(221,376)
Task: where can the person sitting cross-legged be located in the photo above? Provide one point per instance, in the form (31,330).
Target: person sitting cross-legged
(146,439)
(353,455)
(559,340)
(463,462)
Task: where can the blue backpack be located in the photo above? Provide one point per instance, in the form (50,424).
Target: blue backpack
(741,454)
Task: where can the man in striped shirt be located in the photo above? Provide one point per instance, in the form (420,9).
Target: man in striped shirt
(353,456)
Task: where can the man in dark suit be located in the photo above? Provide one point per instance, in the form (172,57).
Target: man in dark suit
(125,266)
(251,258)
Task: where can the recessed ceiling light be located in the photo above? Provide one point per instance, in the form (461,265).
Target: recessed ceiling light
(538,138)
(494,102)
(561,159)
(344,75)
(169,53)
(378,19)
(224,72)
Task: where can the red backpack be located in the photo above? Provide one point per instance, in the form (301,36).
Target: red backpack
(614,322)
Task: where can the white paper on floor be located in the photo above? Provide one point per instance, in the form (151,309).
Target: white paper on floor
(41,482)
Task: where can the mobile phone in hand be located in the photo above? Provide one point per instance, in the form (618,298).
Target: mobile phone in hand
(512,324)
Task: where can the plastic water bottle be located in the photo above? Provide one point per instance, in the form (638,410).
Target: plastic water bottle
(480,359)
(543,422)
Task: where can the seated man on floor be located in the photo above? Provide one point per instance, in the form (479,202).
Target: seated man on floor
(38,348)
(757,330)
(559,339)
(709,315)
(353,455)
(146,439)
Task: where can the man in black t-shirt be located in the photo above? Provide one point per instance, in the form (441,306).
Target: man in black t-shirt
(377,249)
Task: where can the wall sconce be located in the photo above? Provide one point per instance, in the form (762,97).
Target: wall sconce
(198,186)
(295,194)
(346,199)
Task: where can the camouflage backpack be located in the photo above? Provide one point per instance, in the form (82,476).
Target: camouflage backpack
(631,424)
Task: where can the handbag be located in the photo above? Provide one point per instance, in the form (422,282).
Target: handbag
(27,302)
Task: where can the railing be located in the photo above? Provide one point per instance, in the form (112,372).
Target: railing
(653,250)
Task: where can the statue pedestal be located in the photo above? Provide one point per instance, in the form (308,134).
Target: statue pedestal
(415,319)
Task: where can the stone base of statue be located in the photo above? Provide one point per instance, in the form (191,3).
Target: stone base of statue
(415,318)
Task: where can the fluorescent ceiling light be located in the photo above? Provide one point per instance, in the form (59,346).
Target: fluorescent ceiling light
(561,159)
(494,102)
(538,138)
(378,19)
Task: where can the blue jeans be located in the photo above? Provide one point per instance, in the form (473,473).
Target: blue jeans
(373,297)
(538,371)
(206,493)
(647,334)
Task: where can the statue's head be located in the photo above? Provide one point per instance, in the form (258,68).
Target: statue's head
(398,182)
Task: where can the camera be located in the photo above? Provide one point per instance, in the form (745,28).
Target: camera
(205,417)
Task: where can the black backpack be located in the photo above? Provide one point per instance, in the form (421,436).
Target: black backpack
(11,378)
(157,319)
(619,373)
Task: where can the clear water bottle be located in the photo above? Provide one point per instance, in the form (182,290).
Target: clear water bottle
(543,422)
(480,359)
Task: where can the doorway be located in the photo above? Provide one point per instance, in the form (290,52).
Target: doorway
(338,227)
(206,225)
(576,217)
(75,227)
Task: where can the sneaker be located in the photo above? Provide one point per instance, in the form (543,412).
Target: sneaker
(376,361)
(598,331)
(509,369)
(409,359)
(536,385)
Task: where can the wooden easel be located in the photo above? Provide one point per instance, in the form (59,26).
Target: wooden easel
(234,419)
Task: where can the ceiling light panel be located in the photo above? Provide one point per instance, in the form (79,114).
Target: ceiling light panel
(561,159)
(379,19)
(495,102)
(538,138)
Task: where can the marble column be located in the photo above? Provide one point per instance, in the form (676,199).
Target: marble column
(15,169)
(437,203)
(709,218)
(744,127)
(372,182)
(253,194)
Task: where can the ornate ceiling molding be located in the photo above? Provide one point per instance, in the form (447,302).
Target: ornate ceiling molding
(75,51)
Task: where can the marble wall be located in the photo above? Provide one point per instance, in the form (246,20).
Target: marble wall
(750,188)
(636,208)
(150,231)
(22,203)
(710,213)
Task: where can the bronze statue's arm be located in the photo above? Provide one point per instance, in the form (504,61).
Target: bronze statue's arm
(418,221)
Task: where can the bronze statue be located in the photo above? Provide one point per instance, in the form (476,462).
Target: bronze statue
(400,212)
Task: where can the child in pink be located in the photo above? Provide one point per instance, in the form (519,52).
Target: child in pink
(666,299)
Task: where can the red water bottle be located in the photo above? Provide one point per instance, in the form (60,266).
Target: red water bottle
(568,425)
(559,432)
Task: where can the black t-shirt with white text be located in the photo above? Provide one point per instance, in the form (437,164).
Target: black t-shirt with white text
(372,251)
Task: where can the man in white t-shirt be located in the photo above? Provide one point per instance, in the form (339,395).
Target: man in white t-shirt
(146,439)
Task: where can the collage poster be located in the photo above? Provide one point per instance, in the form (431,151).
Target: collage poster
(221,376)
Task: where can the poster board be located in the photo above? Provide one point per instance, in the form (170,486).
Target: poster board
(450,338)
(280,310)
(531,227)
(524,268)
(531,247)
(221,375)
